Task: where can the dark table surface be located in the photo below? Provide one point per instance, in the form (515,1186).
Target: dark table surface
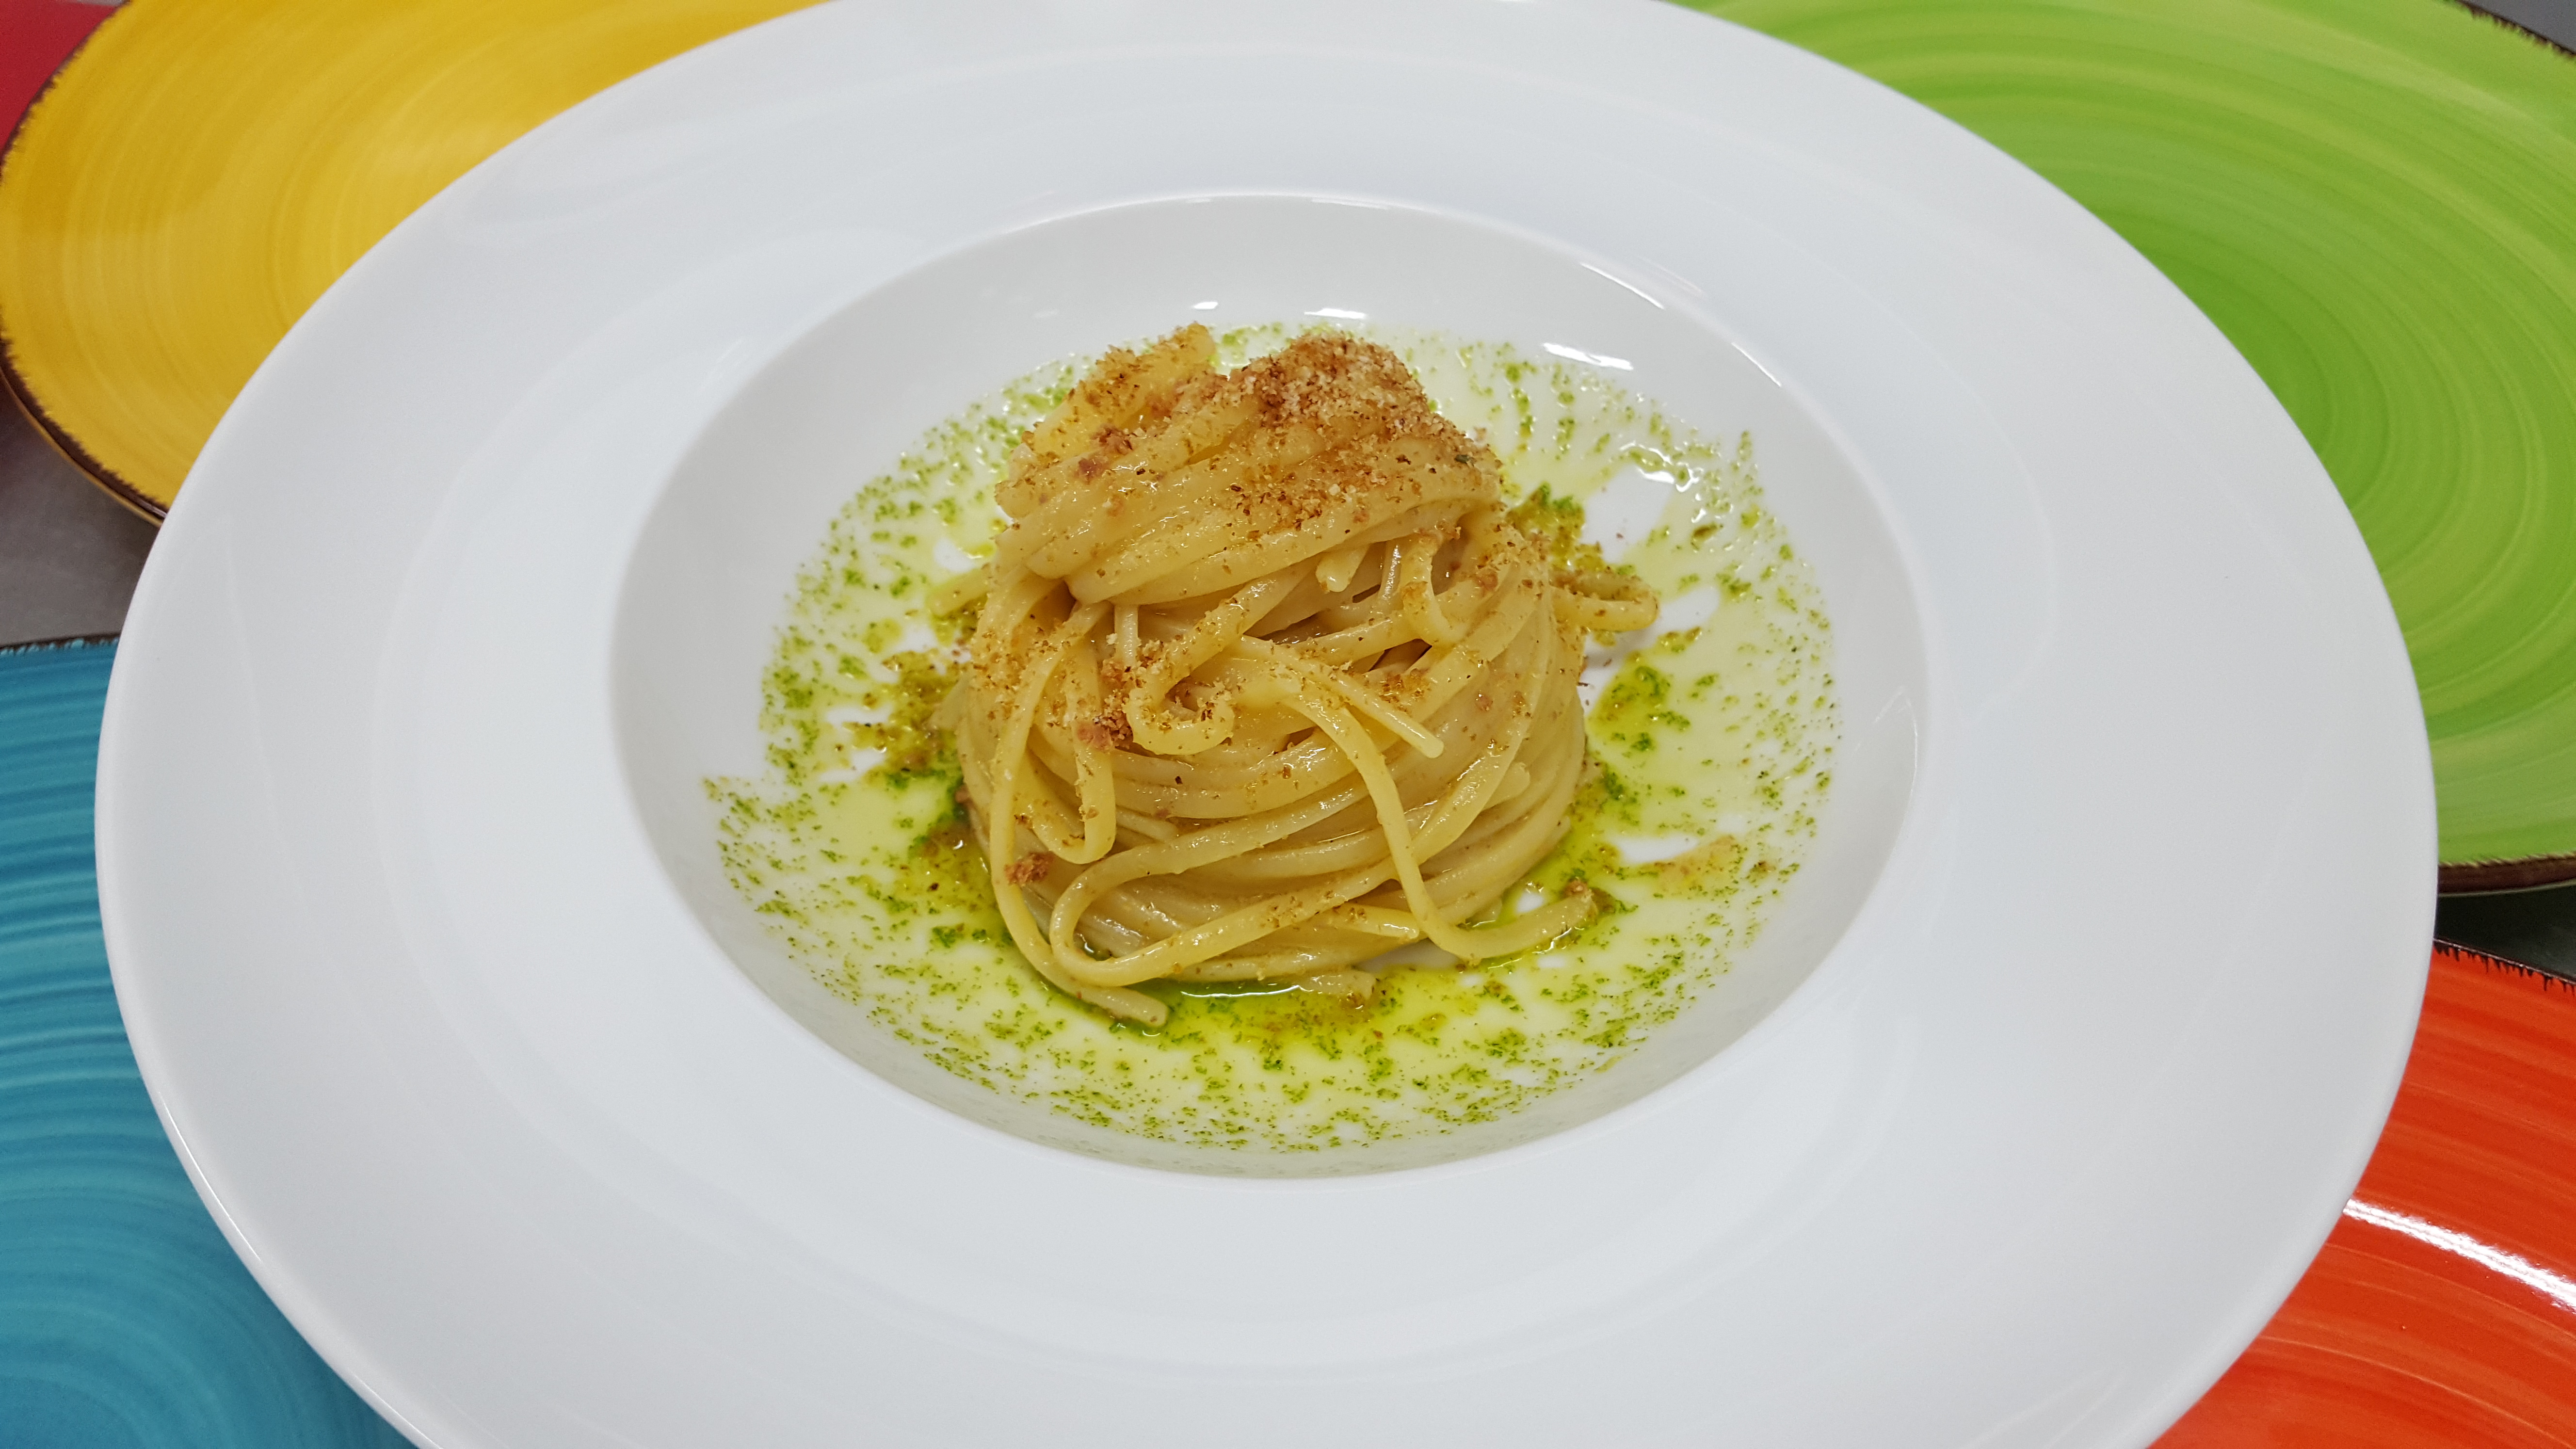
(69,553)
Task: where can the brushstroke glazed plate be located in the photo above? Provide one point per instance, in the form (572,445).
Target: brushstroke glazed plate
(2443,1309)
(195,176)
(125,1317)
(2369,198)
(2033,1148)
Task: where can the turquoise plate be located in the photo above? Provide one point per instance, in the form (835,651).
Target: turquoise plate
(125,1319)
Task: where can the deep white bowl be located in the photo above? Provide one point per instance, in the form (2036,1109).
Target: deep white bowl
(704,595)
(2044,1099)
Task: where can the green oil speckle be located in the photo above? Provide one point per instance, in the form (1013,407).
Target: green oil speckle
(1713,741)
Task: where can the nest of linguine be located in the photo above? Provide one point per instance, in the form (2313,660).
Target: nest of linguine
(1267,680)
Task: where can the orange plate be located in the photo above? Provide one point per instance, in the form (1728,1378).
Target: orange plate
(2443,1309)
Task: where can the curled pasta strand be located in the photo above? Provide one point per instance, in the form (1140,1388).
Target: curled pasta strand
(1595,599)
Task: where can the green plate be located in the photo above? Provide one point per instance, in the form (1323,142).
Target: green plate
(2376,201)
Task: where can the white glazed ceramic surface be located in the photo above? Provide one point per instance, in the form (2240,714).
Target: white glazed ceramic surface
(2062,1100)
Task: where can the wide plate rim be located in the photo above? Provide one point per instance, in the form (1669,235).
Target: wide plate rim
(124,727)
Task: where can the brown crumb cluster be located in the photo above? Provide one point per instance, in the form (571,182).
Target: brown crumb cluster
(1327,437)
(1354,392)
(1323,388)
(1106,731)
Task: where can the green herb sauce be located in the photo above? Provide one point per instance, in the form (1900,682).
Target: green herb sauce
(1714,743)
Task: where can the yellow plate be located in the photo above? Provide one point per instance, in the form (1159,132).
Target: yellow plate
(198,173)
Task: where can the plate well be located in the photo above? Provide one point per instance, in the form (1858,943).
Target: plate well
(705,591)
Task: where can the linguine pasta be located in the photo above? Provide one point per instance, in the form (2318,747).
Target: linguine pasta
(1266,679)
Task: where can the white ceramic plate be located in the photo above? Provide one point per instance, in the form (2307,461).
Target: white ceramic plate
(2054,1075)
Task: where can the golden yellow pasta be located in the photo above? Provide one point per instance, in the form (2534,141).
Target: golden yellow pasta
(1266,681)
